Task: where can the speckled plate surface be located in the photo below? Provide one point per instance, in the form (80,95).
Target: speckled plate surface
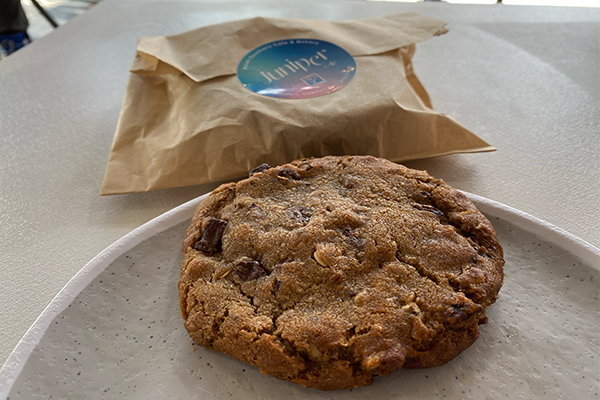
(115,331)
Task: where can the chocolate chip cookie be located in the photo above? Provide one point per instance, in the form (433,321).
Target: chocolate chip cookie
(328,272)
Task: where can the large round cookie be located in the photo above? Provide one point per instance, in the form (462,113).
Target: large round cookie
(327,272)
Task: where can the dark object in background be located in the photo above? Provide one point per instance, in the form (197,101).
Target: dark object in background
(13,26)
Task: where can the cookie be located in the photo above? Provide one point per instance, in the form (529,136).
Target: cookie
(328,272)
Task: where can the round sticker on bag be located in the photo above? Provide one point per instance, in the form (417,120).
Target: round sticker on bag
(296,69)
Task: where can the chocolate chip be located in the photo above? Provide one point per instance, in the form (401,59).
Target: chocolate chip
(433,210)
(428,208)
(211,235)
(298,213)
(249,270)
(260,168)
(289,174)
(276,286)
(455,314)
(459,313)
(285,260)
(347,232)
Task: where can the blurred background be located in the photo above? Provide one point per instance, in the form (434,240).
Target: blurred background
(38,18)
(41,18)
(60,10)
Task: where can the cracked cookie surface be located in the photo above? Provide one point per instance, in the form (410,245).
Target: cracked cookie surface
(328,272)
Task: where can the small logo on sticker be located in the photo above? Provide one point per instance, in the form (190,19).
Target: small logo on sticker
(296,69)
(312,79)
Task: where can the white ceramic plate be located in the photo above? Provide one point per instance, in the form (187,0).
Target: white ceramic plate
(114,331)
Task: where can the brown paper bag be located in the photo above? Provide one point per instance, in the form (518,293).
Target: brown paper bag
(187,119)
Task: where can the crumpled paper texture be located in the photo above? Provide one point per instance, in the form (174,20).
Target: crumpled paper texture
(186,118)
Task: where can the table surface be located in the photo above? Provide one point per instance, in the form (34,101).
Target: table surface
(525,79)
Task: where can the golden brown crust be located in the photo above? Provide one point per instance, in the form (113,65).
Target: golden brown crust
(332,271)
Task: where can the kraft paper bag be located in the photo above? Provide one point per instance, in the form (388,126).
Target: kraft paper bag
(211,104)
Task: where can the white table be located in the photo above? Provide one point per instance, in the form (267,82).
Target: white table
(524,79)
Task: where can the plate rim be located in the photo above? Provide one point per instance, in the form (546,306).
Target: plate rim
(584,251)
(18,357)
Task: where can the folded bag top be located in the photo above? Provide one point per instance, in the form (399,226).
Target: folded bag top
(216,50)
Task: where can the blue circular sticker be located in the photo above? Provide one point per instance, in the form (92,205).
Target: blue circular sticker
(296,69)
